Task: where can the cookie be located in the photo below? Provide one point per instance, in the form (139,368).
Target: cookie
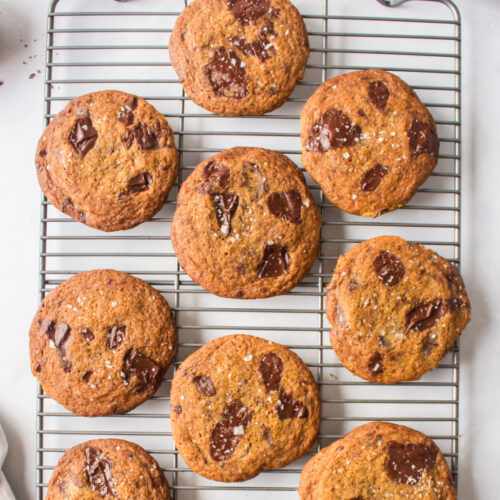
(239,57)
(107,468)
(101,342)
(396,308)
(246,225)
(241,405)
(368,141)
(108,160)
(378,460)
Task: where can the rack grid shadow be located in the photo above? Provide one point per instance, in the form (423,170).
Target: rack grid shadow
(94,45)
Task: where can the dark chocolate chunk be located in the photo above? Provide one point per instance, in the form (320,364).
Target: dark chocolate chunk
(226,74)
(86,375)
(228,432)
(375,363)
(83,136)
(379,94)
(126,115)
(275,261)
(333,130)
(373,177)
(216,177)
(61,337)
(271,369)
(225,206)
(423,138)
(390,270)
(116,334)
(406,463)
(140,182)
(261,48)
(47,327)
(98,469)
(426,315)
(67,203)
(38,368)
(429,344)
(286,205)
(144,368)
(289,407)
(177,409)
(248,11)
(88,334)
(144,136)
(361,113)
(205,385)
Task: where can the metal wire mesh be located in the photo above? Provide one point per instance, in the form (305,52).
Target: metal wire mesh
(90,49)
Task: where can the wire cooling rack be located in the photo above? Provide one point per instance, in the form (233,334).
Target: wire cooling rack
(98,44)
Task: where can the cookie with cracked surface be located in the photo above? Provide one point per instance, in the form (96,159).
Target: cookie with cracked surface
(396,308)
(242,405)
(101,342)
(378,460)
(246,225)
(108,160)
(368,141)
(108,468)
(239,57)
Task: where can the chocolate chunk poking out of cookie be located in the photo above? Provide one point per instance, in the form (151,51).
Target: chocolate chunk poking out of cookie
(126,115)
(60,336)
(379,94)
(275,261)
(140,182)
(373,177)
(286,205)
(205,385)
(271,369)
(88,334)
(144,368)
(143,135)
(248,11)
(227,74)
(407,462)
(225,206)
(426,315)
(289,407)
(83,136)
(390,270)
(423,138)
(116,334)
(98,469)
(332,131)
(227,434)
(375,364)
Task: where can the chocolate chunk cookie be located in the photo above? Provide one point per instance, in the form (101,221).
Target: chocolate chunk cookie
(108,160)
(246,225)
(378,460)
(368,141)
(396,308)
(108,468)
(242,405)
(239,57)
(101,342)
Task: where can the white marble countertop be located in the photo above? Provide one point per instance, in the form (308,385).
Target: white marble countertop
(22,41)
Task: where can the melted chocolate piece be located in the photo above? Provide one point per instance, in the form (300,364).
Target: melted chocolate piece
(379,94)
(98,469)
(116,334)
(333,130)
(205,385)
(61,337)
(373,177)
(225,206)
(429,344)
(83,136)
(226,74)
(286,205)
(126,115)
(261,48)
(275,261)
(375,364)
(88,334)
(271,369)
(47,327)
(406,463)
(248,11)
(86,375)
(141,182)
(144,368)
(390,270)
(227,433)
(423,138)
(216,177)
(289,407)
(426,315)
(144,136)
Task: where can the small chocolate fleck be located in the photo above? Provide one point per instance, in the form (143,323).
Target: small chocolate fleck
(373,177)
(38,368)
(289,407)
(390,270)
(423,138)
(406,463)
(83,136)
(177,409)
(98,469)
(375,364)
(275,261)
(116,334)
(286,205)
(140,182)
(86,375)
(361,113)
(379,94)
(225,206)
(271,369)
(88,334)
(205,385)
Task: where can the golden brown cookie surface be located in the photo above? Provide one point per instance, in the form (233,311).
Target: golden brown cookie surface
(396,308)
(107,468)
(101,342)
(246,225)
(108,160)
(241,405)
(239,57)
(368,141)
(378,460)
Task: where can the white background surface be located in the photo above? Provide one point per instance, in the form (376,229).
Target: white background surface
(21,124)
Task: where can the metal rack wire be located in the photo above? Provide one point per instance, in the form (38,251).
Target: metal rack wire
(89,49)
